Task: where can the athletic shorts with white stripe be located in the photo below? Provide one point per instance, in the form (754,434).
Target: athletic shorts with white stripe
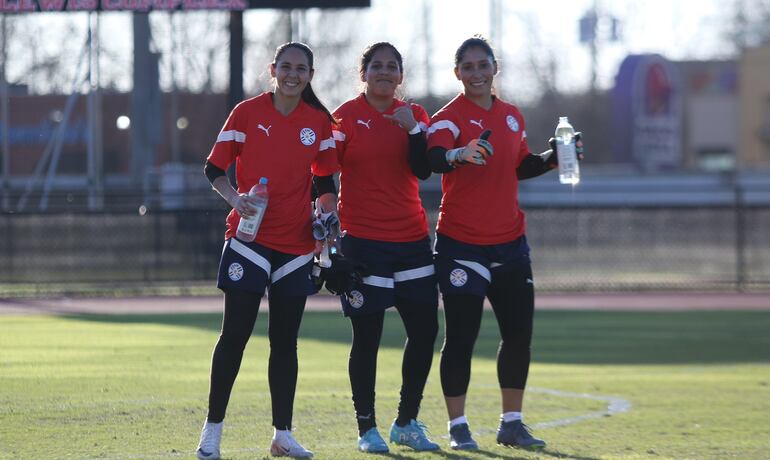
(464,268)
(403,270)
(256,268)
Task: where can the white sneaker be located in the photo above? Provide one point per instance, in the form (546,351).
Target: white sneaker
(285,445)
(208,447)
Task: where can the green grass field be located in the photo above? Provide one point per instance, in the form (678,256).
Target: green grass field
(134,386)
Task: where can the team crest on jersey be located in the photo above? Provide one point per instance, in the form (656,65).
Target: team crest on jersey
(356,299)
(512,123)
(458,277)
(235,271)
(307,136)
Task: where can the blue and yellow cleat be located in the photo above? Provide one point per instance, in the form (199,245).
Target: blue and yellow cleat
(371,442)
(412,435)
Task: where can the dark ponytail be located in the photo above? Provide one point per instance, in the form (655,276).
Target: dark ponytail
(476,41)
(307,94)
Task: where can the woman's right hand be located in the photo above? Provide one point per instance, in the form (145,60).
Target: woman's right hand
(244,205)
(476,152)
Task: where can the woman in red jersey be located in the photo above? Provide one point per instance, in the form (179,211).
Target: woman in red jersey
(381,148)
(281,135)
(481,247)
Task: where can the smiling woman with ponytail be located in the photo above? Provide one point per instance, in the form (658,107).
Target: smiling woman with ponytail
(283,136)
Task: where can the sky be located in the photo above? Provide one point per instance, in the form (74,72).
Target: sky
(531,34)
(677,29)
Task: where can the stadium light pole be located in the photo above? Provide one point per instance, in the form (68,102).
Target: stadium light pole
(95,144)
(235,93)
(427,48)
(4,124)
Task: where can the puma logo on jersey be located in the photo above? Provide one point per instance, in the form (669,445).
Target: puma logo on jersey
(477,123)
(365,123)
(266,130)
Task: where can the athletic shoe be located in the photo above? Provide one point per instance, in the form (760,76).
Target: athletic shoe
(516,433)
(287,446)
(460,438)
(412,435)
(372,442)
(208,447)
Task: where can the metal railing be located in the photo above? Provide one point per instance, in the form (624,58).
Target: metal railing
(573,248)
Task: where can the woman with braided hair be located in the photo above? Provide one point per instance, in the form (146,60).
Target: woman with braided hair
(381,148)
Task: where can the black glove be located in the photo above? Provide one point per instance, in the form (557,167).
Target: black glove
(553,159)
(343,274)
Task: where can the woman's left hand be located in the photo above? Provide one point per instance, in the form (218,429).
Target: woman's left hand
(403,117)
(553,159)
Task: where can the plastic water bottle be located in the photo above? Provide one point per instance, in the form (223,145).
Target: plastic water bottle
(569,169)
(248,226)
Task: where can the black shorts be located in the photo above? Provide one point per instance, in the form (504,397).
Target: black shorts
(255,268)
(464,268)
(402,270)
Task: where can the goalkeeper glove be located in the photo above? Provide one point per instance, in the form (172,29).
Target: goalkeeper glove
(476,152)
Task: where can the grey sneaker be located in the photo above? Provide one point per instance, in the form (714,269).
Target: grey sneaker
(208,447)
(516,433)
(460,438)
(287,446)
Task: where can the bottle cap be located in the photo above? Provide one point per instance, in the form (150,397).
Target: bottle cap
(263,180)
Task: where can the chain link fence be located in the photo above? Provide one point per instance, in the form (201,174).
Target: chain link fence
(573,248)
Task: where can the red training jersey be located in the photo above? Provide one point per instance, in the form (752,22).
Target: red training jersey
(285,149)
(379,195)
(480,204)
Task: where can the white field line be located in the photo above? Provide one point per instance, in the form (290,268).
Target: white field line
(615,405)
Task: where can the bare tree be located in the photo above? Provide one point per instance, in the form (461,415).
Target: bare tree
(750,24)
(262,37)
(42,57)
(336,52)
(191,45)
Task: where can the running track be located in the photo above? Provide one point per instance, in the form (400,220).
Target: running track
(574,301)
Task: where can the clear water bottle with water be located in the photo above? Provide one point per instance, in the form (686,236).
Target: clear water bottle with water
(248,226)
(569,169)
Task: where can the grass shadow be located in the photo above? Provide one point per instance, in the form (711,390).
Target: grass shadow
(565,337)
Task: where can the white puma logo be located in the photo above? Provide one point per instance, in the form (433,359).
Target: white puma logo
(477,123)
(365,123)
(266,130)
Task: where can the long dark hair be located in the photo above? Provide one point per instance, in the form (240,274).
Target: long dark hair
(368,54)
(475,41)
(480,42)
(307,94)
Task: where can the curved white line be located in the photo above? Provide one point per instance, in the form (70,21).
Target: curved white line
(615,405)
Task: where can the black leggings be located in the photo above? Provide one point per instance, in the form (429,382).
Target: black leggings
(421,324)
(241,308)
(512,296)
